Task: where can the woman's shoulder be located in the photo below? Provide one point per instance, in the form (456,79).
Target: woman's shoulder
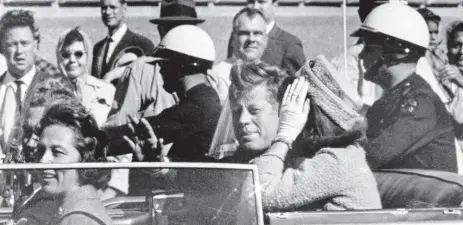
(86,210)
(84,218)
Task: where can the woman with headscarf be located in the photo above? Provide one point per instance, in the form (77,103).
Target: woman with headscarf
(74,59)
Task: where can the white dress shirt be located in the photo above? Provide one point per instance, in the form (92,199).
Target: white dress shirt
(8,115)
(8,80)
(116,38)
(269,26)
(3,66)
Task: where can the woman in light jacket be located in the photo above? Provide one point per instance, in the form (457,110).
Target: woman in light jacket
(74,60)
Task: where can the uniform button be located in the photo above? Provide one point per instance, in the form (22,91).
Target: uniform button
(407,84)
(381,121)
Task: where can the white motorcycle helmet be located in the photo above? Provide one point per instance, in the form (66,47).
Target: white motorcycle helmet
(395,20)
(189,46)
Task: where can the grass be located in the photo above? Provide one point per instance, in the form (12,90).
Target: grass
(319,34)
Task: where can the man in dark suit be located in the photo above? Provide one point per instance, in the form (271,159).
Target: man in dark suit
(119,38)
(19,38)
(283,49)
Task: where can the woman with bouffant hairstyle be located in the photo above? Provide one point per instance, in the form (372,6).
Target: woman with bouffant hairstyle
(69,134)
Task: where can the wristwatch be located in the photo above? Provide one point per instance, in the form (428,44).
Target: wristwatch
(284,140)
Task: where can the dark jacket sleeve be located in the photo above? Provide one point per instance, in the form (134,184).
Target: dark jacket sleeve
(175,123)
(409,127)
(96,53)
(147,46)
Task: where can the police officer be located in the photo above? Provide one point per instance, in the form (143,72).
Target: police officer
(409,127)
(188,53)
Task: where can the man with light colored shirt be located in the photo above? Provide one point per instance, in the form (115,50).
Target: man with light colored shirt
(119,40)
(283,49)
(19,38)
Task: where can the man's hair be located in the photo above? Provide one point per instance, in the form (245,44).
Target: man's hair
(249,13)
(453,29)
(245,76)
(18,18)
(89,140)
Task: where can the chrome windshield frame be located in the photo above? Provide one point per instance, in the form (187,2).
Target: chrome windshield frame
(151,165)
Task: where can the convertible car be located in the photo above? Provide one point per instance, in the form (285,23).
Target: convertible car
(211,193)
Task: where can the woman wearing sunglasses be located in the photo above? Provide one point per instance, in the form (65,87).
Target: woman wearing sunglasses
(74,60)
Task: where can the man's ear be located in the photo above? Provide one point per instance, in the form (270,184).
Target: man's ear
(36,46)
(275,3)
(124,8)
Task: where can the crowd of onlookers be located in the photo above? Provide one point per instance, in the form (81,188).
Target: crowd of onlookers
(315,129)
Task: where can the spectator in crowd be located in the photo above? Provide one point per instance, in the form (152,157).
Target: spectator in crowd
(119,39)
(140,92)
(409,127)
(454,44)
(436,54)
(69,134)
(74,60)
(283,49)
(19,39)
(250,42)
(294,174)
(451,74)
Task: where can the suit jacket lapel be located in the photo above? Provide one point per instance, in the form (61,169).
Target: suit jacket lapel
(274,32)
(97,64)
(121,45)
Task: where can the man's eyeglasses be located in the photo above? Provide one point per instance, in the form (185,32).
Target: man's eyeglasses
(77,54)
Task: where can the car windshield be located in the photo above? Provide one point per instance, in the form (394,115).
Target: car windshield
(157,193)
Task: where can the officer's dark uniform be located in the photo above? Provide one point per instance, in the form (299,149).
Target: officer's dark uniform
(409,127)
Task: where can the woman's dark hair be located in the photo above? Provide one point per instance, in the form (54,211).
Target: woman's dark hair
(89,140)
(453,29)
(73,36)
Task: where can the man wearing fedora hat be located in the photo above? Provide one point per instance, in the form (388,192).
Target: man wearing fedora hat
(119,38)
(140,89)
(175,13)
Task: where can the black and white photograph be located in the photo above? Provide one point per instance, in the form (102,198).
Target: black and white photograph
(231,112)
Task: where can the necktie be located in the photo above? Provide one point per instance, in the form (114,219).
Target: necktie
(18,94)
(78,85)
(104,57)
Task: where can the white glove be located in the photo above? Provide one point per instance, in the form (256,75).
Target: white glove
(294,110)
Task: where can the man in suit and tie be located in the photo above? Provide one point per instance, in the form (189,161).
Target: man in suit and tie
(19,38)
(119,38)
(283,49)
